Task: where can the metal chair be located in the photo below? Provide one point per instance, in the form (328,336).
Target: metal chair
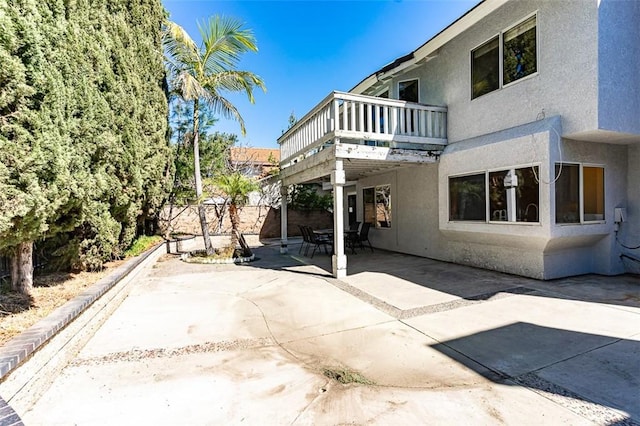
(305,239)
(317,241)
(364,236)
(352,237)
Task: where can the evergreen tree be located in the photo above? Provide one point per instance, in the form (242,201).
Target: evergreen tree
(84,155)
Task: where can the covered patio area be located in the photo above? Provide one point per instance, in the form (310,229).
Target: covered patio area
(347,137)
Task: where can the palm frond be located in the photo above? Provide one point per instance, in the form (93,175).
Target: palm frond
(179,47)
(204,73)
(222,106)
(236,81)
(224,42)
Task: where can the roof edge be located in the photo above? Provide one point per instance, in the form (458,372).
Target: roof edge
(472,16)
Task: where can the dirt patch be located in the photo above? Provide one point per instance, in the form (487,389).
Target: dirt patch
(50,291)
(345,376)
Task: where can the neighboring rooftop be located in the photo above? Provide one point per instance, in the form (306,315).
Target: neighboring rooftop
(255,156)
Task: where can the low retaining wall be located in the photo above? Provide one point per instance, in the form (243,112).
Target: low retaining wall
(30,360)
(259,220)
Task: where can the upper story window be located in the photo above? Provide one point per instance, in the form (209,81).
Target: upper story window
(485,72)
(517,47)
(519,54)
(408,90)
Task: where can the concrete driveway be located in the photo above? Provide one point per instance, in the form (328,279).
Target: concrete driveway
(401,340)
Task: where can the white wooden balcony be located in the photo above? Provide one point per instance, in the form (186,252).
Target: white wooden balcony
(364,120)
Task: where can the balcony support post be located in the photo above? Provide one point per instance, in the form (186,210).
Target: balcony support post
(284,191)
(339,259)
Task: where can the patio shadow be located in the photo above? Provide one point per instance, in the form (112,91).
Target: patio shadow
(574,368)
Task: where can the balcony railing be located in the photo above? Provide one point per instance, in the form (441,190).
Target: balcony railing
(359,118)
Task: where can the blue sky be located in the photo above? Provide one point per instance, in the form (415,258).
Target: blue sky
(309,48)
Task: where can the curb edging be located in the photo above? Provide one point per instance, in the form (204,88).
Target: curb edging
(23,382)
(17,350)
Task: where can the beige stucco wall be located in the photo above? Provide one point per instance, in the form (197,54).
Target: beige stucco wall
(543,250)
(566,83)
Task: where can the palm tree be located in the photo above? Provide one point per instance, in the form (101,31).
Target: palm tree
(237,188)
(202,74)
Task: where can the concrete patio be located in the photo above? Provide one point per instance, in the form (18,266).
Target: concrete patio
(417,341)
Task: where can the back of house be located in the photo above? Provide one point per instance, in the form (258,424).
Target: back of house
(509,141)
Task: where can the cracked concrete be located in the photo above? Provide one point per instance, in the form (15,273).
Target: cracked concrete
(212,344)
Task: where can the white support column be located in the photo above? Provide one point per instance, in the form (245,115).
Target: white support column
(339,260)
(284,191)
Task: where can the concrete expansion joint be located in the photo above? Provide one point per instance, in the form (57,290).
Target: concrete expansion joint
(141,354)
(401,314)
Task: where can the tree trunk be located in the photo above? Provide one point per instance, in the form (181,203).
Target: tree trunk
(198,179)
(22,268)
(235,222)
(167,231)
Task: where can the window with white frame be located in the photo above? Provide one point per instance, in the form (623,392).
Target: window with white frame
(505,58)
(377,206)
(514,195)
(579,193)
(508,195)
(485,72)
(467,197)
(408,90)
(519,51)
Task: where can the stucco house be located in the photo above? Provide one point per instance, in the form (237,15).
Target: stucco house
(508,141)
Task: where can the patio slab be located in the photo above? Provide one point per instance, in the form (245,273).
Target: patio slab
(398,292)
(250,344)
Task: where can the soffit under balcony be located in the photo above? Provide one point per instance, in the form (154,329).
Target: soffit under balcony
(358,161)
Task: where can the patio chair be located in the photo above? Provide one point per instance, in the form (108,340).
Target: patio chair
(364,236)
(317,241)
(352,237)
(305,239)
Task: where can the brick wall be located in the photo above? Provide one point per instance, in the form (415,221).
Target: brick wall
(260,220)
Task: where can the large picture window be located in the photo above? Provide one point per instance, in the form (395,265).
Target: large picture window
(573,179)
(377,206)
(513,196)
(507,57)
(467,198)
(522,204)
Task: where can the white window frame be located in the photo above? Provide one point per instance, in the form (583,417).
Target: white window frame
(486,187)
(501,47)
(500,36)
(375,203)
(404,81)
(486,173)
(581,167)
(512,168)
(471,66)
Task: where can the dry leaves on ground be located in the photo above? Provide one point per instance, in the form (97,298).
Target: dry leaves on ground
(19,312)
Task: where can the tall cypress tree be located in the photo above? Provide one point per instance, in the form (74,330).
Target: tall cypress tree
(83,123)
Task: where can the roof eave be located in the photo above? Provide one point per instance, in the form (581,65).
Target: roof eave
(430,48)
